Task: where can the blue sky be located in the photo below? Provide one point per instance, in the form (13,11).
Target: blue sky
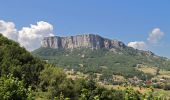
(125,20)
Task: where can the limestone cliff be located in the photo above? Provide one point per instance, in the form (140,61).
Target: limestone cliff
(80,41)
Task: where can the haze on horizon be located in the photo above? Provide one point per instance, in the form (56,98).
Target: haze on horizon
(139,24)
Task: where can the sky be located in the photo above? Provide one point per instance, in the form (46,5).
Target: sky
(142,24)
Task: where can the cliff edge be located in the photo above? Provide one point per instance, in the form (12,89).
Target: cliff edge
(80,41)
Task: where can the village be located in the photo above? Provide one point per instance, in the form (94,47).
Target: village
(117,80)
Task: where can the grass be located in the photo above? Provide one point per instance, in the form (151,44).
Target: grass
(164,72)
(148,70)
(76,75)
(160,92)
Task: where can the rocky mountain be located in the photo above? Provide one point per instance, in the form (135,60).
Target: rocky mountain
(93,53)
(80,41)
(90,41)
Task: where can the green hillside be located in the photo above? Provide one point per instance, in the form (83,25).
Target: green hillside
(17,61)
(111,61)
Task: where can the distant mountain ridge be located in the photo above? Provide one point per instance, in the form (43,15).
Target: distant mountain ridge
(92,41)
(93,53)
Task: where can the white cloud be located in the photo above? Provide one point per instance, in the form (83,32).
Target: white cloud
(8,30)
(155,35)
(138,45)
(29,37)
(152,40)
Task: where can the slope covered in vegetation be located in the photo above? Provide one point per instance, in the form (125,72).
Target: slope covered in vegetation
(111,61)
(24,77)
(17,61)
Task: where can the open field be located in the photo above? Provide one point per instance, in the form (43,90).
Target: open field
(160,92)
(148,70)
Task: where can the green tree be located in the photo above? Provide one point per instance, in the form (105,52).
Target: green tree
(84,94)
(17,61)
(131,94)
(13,89)
(53,81)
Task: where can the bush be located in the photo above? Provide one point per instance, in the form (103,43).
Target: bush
(166,86)
(13,89)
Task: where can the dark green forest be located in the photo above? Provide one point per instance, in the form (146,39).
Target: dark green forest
(25,77)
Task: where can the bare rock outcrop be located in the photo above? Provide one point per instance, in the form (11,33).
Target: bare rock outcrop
(80,41)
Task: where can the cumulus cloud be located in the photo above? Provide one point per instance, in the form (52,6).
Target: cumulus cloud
(138,45)
(155,35)
(28,37)
(152,39)
(8,30)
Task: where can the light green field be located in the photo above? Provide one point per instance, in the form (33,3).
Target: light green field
(160,92)
(148,70)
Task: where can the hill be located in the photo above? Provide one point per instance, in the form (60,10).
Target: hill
(17,61)
(104,58)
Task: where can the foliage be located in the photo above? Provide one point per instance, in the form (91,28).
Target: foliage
(13,89)
(17,61)
(166,86)
(105,61)
(131,94)
(53,81)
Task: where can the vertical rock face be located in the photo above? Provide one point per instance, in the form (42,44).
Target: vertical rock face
(80,41)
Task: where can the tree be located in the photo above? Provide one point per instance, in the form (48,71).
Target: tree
(84,94)
(13,89)
(17,61)
(53,80)
(131,94)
